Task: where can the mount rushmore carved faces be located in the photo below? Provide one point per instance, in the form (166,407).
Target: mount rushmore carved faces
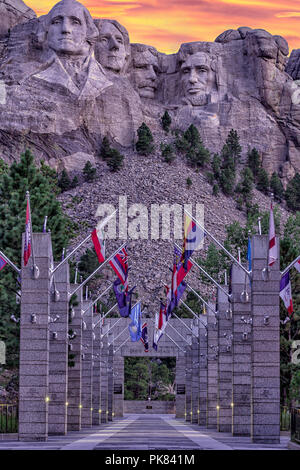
(196,78)
(112,49)
(145,69)
(70,28)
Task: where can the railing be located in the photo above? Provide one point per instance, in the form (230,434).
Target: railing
(8,418)
(285,418)
(295,424)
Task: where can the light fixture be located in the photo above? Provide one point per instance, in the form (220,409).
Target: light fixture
(245,336)
(33,318)
(67,404)
(54,335)
(266,320)
(47,399)
(80,406)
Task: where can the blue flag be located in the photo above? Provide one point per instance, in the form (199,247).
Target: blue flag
(2,263)
(123,299)
(135,327)
(249,255)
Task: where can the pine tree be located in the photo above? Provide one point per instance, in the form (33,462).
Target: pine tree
(189,182)
(254,161)
(105,149)
(216,166)
(89,172)
(216,189)
(144,145)
(247,184)
(276,186)
(64,181)
(263,181)
(74,182)
(166,121)
(21,177)
(198,156)
(115,160)
(192,136)
(233,144)
(167,152)
(292,193)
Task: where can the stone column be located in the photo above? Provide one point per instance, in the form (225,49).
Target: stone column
(212,368)
(86,364)
(74,376)
(118,366)
(104,380)
(203,372)
(188,383)
(195,380)
(96,415)
(241,355)
(34,343)
(225,362)
(110,382)
(180,385)
(265,396)
(58,365)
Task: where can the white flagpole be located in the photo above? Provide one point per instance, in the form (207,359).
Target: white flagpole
(218,243)
(178,333)
(287,268)
(200,298)
(83,242)
(35,269)
(10,262)
(173,341)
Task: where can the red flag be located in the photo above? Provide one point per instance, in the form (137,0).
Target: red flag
(272,240)
(99,246)
(27,242)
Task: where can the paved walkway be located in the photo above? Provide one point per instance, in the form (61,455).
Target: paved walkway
(145,432)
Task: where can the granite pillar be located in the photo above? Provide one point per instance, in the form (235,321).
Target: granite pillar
(212,367)
(34,343)
(188,383)
(104,380)
(118,368)
(96,415)
(202,421)
(110,382)
(265,384)
(195,380)
(86,364)
(241,354)
(58,360)
(225,362)
(74,375)
(180,385)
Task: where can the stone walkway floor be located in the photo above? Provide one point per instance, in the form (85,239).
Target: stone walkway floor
(145,432)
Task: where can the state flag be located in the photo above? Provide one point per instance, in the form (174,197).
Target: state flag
(193,236)
(286,292)
(99,244)
(27,241)
(3,263)
(297,265)
(144,337)
(135,327)
(272,255)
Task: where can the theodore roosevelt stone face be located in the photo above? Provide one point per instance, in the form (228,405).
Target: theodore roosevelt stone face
(145,70)
(67,30)
(196,78)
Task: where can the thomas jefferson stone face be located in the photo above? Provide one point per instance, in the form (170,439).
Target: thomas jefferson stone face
(196,77)
(145,73)
(67,31)
(111,48)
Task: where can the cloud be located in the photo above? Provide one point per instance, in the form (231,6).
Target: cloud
(167,23)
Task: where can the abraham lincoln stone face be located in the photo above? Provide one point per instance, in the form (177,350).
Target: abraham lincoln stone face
(196,78)
(67,29)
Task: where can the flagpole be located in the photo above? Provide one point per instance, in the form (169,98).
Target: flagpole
(35,269)
(288,267)
(218,243)
(209,277)
(98,269)
(179,347)
(187,327)
(83,242)
(115,350)
(202,300)
(110,310)
(193,313)
(99,297)
(123,331)
(12,265)
(169,324)
(111,328)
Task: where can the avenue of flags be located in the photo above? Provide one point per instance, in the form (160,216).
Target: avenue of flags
(193,236)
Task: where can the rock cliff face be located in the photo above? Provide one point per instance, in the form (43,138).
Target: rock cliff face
(13,12)
(64,86)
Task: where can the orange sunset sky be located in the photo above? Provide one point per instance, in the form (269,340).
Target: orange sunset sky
(165,24)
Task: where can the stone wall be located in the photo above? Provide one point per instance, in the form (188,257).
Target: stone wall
(148,407)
